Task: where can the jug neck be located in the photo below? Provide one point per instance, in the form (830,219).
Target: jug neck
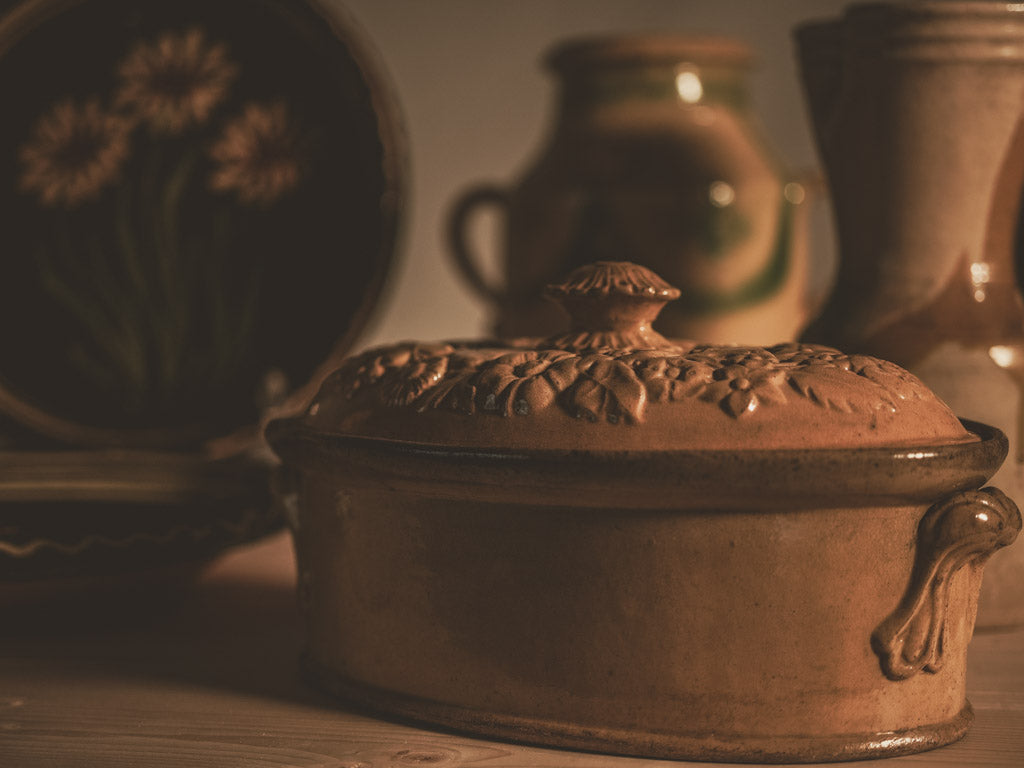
(679,71)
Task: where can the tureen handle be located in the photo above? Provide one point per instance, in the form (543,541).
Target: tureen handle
(964,529)
(612,305)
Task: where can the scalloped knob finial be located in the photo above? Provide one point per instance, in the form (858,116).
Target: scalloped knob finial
(612,304)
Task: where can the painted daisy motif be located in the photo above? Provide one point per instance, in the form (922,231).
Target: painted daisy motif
(175,81)
(257,155)
(74,151)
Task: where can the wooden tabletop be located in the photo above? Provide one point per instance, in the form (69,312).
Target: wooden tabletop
(206,677)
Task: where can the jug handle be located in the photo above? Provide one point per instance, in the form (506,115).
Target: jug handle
(465,207)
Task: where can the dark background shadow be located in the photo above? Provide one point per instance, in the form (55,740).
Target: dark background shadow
(220,631)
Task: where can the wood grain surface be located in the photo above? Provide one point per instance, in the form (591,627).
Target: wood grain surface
(206,677)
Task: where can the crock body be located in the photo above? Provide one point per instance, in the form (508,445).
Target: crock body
(682,629)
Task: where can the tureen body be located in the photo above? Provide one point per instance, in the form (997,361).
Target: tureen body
(614,541)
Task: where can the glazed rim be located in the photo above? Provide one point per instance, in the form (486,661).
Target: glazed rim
(585,53)
(931,29)
(671,479)
(981,9)
(143,477)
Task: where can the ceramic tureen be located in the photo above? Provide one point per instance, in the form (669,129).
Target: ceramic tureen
(611,541)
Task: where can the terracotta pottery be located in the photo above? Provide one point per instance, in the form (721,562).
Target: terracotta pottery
(917,111)
(654,157)
(613,541)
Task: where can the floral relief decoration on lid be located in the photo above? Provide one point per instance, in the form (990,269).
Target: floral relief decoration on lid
(678,393)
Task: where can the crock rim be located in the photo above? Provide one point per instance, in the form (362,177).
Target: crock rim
(670,478)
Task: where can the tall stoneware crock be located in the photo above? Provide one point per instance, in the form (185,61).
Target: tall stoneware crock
(654,156)
(917,114)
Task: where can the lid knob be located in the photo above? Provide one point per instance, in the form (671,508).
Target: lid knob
(611,305)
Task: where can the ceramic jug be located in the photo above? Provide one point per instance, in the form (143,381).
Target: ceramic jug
(654,157)
(917,114)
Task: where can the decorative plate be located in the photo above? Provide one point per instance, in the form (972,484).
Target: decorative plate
(99,514)
(199,201)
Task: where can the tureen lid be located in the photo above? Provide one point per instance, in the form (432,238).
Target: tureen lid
(613,383)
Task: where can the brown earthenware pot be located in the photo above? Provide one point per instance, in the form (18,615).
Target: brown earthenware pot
(611,541)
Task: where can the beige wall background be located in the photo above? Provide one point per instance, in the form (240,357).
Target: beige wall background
(477,104)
